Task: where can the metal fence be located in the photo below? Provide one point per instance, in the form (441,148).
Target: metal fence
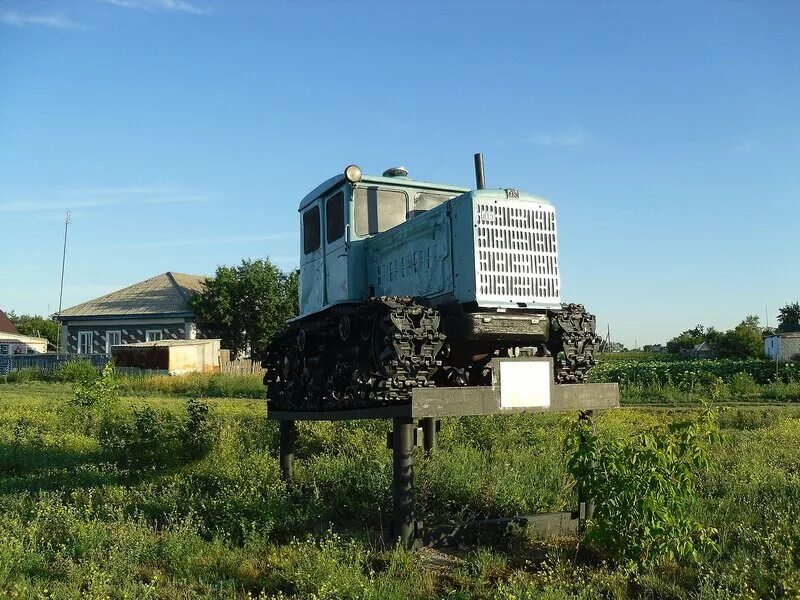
(46,362)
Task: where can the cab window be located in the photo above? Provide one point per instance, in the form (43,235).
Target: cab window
(334,217)
(376,210)
(311,233)
(424,201)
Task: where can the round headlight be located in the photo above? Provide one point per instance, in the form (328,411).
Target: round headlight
(353,173)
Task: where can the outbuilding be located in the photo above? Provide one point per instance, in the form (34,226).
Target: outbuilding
(782,346)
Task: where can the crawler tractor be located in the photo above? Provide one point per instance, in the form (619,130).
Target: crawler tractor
(407,284)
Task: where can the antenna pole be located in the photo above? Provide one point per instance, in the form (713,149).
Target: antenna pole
(63,263)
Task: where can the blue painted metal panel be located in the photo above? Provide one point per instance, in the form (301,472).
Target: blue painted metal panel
(413,259)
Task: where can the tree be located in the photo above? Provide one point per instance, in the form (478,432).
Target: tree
(245,306)
(688,339)
(36,326)
(743,341)
(789,314)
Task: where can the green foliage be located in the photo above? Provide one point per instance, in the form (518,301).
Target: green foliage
(743,341)
(197,432)
(36,326)
(245,306)
(95,397)
(789,314)
(157,438)
(76,370)
(26,375)
(688,374)
(644,490)
(214,385)
(79,523)
(743,384)
(96,392)
(688,339)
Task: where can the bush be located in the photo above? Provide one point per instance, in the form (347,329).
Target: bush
(94,398)
(644,490)
(26,375)
(743,384)
(197,431)
(155,438)
(76,370)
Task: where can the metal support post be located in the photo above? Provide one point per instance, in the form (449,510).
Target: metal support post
(403,480)
(585,502)
(430,426)
(287,444)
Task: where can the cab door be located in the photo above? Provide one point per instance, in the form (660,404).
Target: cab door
(336,280)
(312,284)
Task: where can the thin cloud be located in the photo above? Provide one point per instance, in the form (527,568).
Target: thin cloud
(566,139)
(101,197)
(239,239)
(55,20)
(160,6)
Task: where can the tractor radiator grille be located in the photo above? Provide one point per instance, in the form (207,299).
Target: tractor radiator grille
(515,253)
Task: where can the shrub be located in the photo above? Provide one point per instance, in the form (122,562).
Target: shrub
(197,431)
(645,489)
(94,398)
(155,438)
(76,370)
(743,384)
(26,375)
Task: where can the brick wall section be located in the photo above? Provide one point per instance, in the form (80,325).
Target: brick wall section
(790,345)
(130,335)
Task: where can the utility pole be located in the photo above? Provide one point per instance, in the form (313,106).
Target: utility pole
(63,263)
(606,347)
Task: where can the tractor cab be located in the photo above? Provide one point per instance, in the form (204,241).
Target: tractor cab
(338,215)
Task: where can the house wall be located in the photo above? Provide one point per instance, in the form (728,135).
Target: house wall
(11,343)
(131,331)
(782,347)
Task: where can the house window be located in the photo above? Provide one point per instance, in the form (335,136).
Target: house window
(113,338)
(84,342)
(3,348)
(153,335)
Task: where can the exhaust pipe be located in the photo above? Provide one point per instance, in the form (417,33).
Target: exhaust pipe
(480,179)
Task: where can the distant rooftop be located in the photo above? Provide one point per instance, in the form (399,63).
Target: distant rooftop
(163,294)
(6,326)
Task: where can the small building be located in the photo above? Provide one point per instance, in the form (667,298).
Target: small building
(13,342)
(175,357)
(701,350)
(153,310)
(783,345)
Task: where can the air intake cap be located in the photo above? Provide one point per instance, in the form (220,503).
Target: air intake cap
(396,172)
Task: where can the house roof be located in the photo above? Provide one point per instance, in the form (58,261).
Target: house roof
(6,326)
(165,294)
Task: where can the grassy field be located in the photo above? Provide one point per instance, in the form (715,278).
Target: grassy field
(82,519)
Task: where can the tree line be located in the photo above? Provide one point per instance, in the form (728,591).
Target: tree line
(746,340)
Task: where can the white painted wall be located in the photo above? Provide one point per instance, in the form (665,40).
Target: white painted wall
(782,347)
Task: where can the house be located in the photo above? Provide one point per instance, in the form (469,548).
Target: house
(13,342)
(701,350)
(783,345)
(149,311)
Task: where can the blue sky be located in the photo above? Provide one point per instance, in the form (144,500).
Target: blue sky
(182,134)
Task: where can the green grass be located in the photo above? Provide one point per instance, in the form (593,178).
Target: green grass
(76,524)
